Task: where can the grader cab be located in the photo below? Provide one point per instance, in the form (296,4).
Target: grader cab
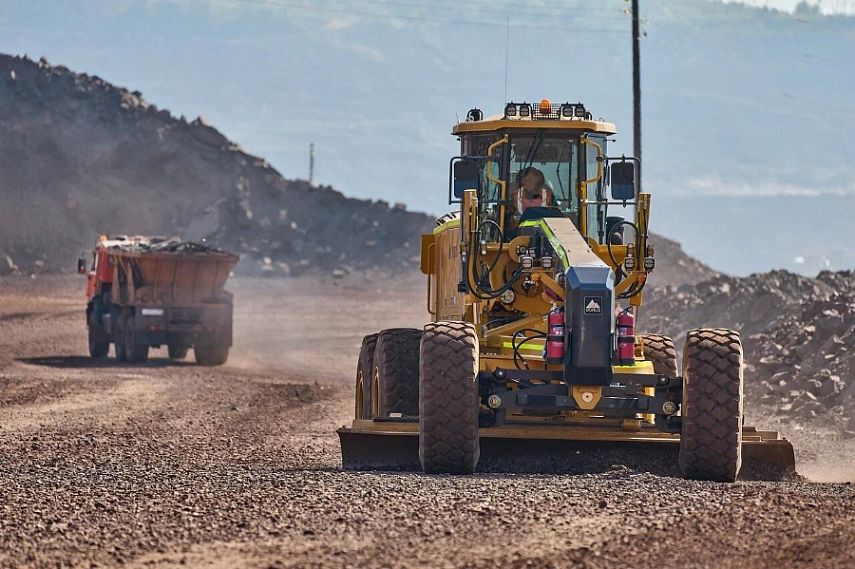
(534,289)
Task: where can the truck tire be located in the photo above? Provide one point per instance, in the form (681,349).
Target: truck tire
(211,354)
(660,350)
(97,349)
(711,436)
(119,335)
(448,398)
(177,351)
(134,352)
(395,373)
(364,367)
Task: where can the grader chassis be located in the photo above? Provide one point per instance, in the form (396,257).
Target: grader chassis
(531,358)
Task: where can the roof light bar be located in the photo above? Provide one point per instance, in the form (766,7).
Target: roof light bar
(511,110)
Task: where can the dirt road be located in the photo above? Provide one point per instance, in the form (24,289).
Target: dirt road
(167,465)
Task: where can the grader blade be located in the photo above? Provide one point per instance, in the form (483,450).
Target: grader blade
(394,445)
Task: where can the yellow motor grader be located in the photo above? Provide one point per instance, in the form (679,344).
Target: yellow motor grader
(534,286)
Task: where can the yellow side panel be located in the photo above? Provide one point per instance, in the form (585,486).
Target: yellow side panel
(427,264)
(446,253)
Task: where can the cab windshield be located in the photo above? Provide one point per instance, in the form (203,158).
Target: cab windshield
(556,158)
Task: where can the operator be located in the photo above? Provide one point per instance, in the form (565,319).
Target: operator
(534,191)
(529,192)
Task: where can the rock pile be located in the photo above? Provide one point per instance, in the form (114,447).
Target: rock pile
(797,333)
(79,157)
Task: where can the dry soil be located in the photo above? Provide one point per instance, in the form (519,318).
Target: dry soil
(169,464)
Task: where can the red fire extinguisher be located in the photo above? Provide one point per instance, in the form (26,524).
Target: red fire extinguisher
(626,337)
(555,336)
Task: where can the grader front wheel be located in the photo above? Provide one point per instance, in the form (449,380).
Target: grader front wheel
(711,436)
(448,398)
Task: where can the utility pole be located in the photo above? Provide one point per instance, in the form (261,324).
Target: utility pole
(636,90)
(311,163)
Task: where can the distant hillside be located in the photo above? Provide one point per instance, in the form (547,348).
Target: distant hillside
(79,156)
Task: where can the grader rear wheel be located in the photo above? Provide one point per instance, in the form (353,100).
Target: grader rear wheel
(660,351)
(363,377)
(711,436)
(448,398)
(395,373)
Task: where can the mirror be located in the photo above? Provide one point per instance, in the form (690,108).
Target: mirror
(81,266)
(622,177)
(466,177)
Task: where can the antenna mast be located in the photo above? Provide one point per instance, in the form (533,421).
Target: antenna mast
(636,91)
(311,163)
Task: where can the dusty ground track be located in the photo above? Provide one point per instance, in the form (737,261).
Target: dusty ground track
(165,464)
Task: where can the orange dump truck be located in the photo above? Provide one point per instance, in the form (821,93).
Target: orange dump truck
(146,292)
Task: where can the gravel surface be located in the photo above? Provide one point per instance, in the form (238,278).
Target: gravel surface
(163,465)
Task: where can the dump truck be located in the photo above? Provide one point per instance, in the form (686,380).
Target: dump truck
(148,292)
(534,287)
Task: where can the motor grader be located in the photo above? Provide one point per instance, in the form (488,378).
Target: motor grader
(534,286)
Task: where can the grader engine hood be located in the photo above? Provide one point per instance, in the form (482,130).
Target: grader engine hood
(589,316)
(589,305)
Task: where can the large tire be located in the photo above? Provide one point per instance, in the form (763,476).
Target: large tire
(364,367)
(448,398)
(177,351)
(395,373)
(97,349)
(119,335)
(211,354)
(711,436)
(660,350)
(135,352)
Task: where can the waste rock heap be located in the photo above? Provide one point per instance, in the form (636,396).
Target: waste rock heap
(798,333)
(79,157)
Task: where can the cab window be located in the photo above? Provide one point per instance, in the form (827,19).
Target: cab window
(556,157)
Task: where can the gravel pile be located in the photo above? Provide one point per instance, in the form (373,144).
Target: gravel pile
(79,157)
(797,333)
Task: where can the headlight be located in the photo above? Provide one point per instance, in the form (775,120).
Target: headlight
(152,312)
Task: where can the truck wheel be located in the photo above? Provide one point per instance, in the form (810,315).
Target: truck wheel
(660,350)
(97,349)
(135,352)
(364,367)
(119,334)
(395,373)
(711,436)
(448,398)
(211,354)
(177,351)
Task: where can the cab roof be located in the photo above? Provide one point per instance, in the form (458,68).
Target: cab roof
(527,117)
